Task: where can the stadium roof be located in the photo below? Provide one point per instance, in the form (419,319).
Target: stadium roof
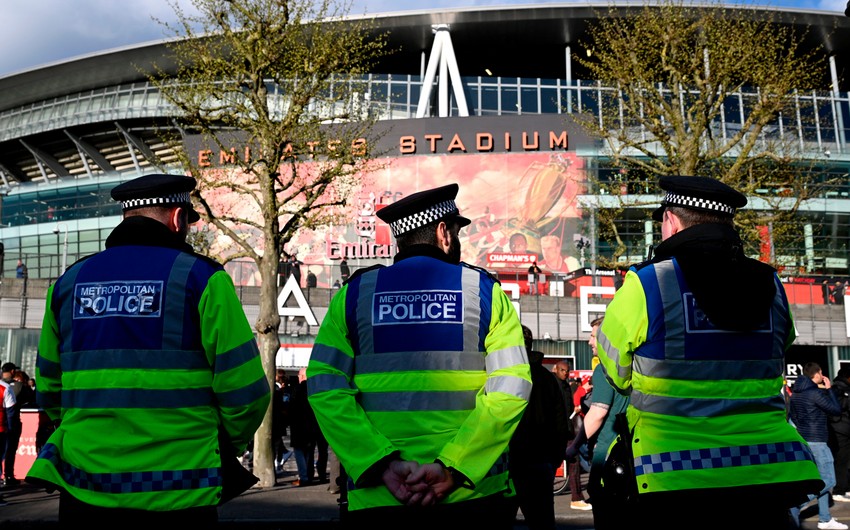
(514,41)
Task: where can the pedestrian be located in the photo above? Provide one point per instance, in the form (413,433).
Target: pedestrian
(578,461)
(280,419)
(538,444)
(534,273)
(284,269)
(344,270)
(26,395)
(21,270)
(583,396)
(561,371)
(838,291)
(158,394)
(7,408)
(311,449)
(839,436)
(14,423)
(598,432)
(812,403)
(686,324)
(418,378)
(295,268)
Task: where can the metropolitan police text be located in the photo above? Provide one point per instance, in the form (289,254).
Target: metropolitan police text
(120,298)
(442,306)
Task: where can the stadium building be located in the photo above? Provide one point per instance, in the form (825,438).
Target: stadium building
(479,96)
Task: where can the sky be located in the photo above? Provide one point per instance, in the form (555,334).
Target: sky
(39,32)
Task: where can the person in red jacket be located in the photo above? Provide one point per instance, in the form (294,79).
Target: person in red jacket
(575,465)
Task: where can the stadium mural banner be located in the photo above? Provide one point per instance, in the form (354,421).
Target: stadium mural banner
(519,181)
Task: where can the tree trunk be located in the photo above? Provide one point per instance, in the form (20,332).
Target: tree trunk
(268,325)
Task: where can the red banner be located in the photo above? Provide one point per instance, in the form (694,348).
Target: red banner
(26,448)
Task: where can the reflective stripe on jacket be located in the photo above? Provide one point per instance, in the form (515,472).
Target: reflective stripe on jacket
(435,371)
(706,407)
(146,357)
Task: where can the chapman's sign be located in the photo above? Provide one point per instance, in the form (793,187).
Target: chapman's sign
(510,258)
(426,136)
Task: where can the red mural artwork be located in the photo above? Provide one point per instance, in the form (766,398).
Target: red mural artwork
(522,205)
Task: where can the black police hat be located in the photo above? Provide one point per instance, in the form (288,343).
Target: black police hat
(699,193)
(423,208)
(157,190)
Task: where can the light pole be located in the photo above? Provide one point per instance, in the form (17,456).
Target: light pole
(64,228)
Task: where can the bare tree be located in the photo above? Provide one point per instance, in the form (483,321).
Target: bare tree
(670,77)
(271,87)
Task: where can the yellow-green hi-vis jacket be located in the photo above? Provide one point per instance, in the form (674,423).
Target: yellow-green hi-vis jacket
(706,407)
(425,358)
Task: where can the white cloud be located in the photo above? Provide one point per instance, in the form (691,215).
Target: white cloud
(832,5)
(43,31)
(36,32)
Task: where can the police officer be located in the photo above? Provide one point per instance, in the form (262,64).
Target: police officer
(131,447)
(698,336)
(419,376)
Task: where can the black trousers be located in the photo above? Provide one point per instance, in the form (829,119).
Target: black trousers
(534,494)
(697,508)
(77,514)
(12,441)
(493,513)
(841,455)
(607,513)
(322,459)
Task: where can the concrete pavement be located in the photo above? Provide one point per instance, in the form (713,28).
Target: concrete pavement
(261,508)
(286,506)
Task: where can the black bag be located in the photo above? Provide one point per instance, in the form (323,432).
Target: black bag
(618,473)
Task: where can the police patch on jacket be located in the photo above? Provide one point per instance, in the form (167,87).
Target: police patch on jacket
(417,307)
(112,299)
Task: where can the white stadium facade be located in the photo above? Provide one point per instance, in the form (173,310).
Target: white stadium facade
(482,97)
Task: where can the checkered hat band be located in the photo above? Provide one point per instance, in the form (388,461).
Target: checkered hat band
(177,198)
(696,203)
(425,217)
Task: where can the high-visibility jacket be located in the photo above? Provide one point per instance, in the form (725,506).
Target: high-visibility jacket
(148,360)
(425,358)
(706,407)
